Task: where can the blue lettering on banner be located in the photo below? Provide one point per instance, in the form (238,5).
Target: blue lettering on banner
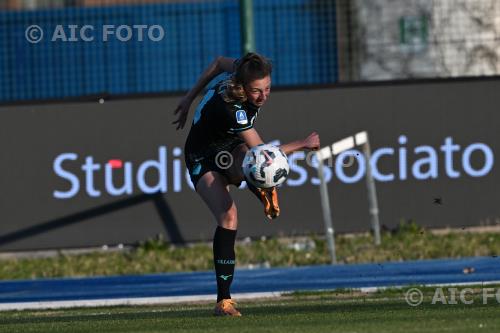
(339,168)
(374,164)
(94,179)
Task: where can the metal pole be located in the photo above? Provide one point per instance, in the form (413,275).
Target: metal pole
(372,194)
(325,204)
(247,27)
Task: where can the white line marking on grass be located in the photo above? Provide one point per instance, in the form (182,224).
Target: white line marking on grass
(198,298)
(430,285)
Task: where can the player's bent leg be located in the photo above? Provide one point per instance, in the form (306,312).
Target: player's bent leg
(271,205)
(268,197)
(235,173)
(212,187)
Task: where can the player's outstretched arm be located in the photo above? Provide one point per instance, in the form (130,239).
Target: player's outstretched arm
(311,142)
(218,66)
(252,139)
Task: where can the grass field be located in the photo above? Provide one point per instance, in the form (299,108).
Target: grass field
(341,311)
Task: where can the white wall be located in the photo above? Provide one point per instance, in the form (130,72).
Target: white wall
(462,38)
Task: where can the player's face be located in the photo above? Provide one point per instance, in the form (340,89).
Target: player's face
(258,91)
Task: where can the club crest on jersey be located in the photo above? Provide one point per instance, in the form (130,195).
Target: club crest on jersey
(241,117)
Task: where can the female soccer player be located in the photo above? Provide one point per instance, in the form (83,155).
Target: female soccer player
(223,125)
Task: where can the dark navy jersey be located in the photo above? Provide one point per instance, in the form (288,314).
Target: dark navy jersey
(216,124)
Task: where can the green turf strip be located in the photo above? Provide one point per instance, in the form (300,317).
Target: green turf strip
(300,312)
(408,242)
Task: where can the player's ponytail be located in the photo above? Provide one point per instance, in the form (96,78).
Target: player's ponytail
(233,92)
(249,68)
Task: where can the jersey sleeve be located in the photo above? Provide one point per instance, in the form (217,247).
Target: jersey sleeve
(237,118)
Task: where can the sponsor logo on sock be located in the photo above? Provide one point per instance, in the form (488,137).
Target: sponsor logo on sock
(225,261)
(225,277)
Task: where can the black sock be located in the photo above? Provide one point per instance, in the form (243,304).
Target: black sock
(224,260)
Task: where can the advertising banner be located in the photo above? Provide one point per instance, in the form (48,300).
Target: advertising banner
(110,172)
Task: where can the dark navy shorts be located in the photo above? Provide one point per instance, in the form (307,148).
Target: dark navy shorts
(197,168)
(198,165)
